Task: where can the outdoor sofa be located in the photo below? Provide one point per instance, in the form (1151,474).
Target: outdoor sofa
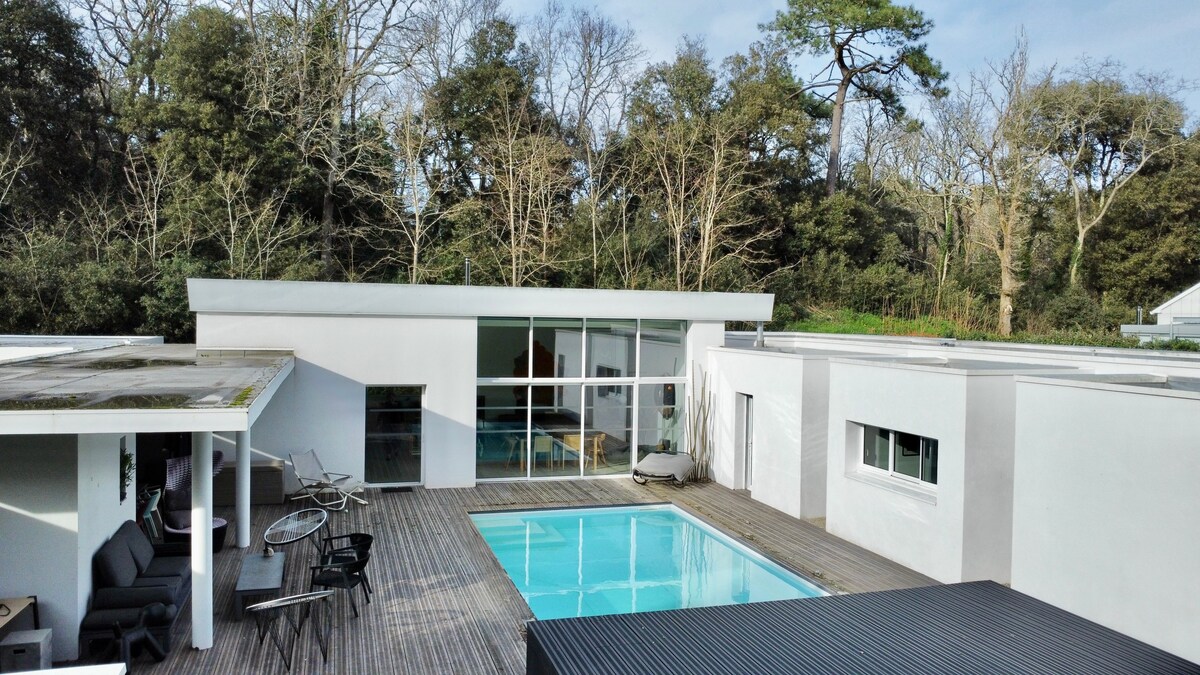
(128,573)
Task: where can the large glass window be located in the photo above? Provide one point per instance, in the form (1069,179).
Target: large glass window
(900,453)
(503,348)
(556,419)
(557,348)
(608,430)
(662,351)
(611,348)
(393,435)
(556,397)
(501,431)
(660,418)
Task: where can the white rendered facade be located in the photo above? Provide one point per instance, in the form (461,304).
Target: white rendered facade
(348,338)
(1106,506)
(1065,471)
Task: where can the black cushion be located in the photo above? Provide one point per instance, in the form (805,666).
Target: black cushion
(168,567)
(135,596)
(139,545)
(115,565)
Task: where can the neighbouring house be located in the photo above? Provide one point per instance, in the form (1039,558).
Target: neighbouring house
(1178,317)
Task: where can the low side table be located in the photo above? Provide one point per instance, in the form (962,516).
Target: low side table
(260,575)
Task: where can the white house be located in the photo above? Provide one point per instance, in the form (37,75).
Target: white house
(1063,470)
(443,386)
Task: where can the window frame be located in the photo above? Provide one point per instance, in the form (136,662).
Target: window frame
(924,445)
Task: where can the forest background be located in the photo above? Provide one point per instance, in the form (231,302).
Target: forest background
(146,141)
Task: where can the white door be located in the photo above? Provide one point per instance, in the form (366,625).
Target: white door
(747,406)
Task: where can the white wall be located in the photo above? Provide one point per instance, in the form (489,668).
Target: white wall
(919,527)
(101,510)
(39,529)
(322,405)
(988,478)
(1106,507)
(790,426)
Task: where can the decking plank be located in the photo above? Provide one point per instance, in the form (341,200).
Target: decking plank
(442,603)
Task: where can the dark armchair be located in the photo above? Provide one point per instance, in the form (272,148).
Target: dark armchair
(345,574)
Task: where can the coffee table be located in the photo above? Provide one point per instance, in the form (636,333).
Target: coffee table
(260,575)
(295,526)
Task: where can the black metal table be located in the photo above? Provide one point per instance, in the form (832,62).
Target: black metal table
(260,575)
(295,609)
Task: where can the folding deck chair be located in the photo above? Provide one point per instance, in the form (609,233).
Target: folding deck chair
(331,491)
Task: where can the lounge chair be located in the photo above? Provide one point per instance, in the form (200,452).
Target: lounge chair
(658,466)
(331,491)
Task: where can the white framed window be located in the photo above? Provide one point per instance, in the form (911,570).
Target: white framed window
(900,454)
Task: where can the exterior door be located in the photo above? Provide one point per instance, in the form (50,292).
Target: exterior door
(746,408)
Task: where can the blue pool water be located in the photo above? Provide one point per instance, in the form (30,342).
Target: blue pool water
(586,562)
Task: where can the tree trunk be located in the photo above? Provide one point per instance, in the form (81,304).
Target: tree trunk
(1077,258)
(1008,288)
(835,138)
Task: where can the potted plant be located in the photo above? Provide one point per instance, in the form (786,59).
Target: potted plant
(127,471)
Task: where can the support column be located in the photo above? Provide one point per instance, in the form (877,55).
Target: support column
(202,540)
(243,489)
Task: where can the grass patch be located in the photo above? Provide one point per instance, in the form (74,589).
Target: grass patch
(850,322)
(243,396)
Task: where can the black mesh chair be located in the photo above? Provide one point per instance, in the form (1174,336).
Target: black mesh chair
(346,547)
(345,574)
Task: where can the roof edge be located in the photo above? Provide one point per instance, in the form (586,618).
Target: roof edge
(231,296)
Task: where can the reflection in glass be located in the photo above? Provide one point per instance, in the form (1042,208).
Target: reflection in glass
(876,447)
(393,435)
(662,348)
(556,417)
(908,454)
(557,348)
(611,347)
(608,429)
(501,431)
(503,348)
(660,418)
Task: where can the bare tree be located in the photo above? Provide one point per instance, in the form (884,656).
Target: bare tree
(320,67)
(999,116)
(587,68)
(530,172)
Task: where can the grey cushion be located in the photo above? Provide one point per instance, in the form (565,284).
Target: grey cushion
(168,567)
(138,596)
(139,545)
(115,565)
(103,619)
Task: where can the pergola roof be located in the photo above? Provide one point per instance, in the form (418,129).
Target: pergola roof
(139,388)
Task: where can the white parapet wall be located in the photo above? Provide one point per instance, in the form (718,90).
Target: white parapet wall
(1105,504)
(789,426)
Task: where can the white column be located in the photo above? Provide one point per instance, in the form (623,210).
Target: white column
(202,540)
(243,488)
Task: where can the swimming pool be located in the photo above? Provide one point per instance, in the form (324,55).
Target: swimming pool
(618,560)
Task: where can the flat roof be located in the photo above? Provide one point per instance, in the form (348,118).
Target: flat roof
(961,366)
(85,391)
(976,627)
(234,296)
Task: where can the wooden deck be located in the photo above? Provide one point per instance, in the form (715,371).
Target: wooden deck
(442,604)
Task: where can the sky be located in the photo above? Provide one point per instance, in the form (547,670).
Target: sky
(1146,35)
